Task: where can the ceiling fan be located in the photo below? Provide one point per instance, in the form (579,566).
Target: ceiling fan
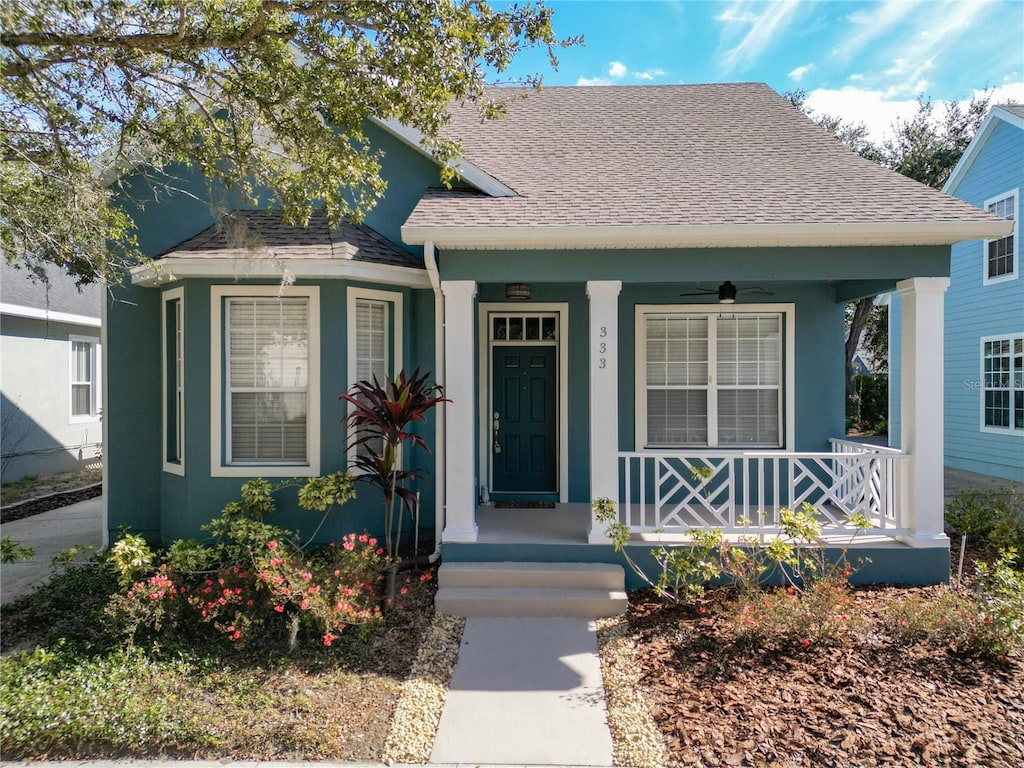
(727,292)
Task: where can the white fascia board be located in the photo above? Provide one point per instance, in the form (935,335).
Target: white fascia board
(306,269)
(974,148)
(16,310)
(708,235)
(466,170)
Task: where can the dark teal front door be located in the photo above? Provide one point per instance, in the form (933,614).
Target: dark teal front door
(524,441)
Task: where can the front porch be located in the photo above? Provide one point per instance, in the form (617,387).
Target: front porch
(604,449)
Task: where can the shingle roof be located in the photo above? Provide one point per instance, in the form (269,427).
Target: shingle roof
(726,154)
(244,234)
(58,294)
(1017,109)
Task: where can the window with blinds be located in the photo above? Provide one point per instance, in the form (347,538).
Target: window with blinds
(267,350)
(83,378)
(371,356)
(713,380)
(1003,383)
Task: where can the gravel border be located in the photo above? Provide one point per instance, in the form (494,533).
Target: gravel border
(636,738)
(414,723)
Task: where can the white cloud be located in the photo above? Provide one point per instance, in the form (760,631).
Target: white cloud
(650,74)
(617,70)
(770,24)
(798,74)
(869,26)
(878,112)
(734,15)
(593,81)
(856,77)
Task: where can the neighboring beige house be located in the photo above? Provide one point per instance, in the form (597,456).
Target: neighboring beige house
(49,374)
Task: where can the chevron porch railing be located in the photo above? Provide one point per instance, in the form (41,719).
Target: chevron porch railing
(673,492)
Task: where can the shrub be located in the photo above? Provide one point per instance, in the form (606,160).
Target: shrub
(254,580)
(994,518)
(822,613)
(986,616)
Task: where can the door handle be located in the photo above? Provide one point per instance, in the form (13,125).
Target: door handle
(495,426)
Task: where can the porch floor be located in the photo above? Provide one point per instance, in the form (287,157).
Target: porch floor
(570,523)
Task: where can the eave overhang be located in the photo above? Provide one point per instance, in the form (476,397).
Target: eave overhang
(165,271)
(705,235)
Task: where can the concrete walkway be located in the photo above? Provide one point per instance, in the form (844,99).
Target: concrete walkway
(525,692)
(47,534)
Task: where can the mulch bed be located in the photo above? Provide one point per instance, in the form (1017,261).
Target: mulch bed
(869,703)
(45,503)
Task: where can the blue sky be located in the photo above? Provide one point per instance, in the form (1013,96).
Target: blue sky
(865,61)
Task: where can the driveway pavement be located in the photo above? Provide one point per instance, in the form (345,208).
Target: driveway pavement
(47,534)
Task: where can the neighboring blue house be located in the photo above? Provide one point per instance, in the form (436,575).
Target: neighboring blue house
(628,285)
(984,316)
(49,373)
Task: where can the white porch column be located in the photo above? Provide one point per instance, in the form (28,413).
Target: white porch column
(460,388)
(921,416)
(604,396)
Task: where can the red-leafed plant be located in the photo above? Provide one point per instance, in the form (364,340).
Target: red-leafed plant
(382,413)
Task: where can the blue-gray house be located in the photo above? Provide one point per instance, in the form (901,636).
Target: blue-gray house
(984,312)
(634,293)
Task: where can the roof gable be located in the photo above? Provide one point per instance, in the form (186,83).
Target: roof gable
(1012,114)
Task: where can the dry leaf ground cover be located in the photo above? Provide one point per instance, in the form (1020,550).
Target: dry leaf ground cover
(720,700)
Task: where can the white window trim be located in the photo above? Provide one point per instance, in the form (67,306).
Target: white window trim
(394,360)
(175,294)
(788,313)
(1010,430)
(485,311)
(1015,273)
(218,293)
(94,346)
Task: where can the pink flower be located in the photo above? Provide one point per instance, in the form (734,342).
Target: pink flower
(304,604)
(364,538)
(349,546)
(328,639)
(271,545)
(404,591)
(279,608)
(806,641)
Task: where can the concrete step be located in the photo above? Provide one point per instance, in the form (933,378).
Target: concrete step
(602,576)
(512,602)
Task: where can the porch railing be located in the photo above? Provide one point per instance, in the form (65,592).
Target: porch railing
(743,492)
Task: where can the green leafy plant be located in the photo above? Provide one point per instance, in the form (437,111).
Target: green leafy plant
(13,552)
(382,415)
(994,518)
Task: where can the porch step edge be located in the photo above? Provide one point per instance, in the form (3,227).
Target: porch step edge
(532,575)
(514,602)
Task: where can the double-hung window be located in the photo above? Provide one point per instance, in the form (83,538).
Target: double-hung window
(173,323)
(374,341)
(269,369)
(84,388)
(1002,378)
(711,379)
(1001,255)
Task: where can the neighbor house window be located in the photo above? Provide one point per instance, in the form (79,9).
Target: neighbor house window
(1001,254)
(83,379)
(174,380)
(1002,379)
(374,340)
(712,379)
(269,368)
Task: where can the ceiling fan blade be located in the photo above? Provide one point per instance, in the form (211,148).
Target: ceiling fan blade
(756,290)
(701,293)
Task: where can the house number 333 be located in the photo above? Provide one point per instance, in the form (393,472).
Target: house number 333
(602,347)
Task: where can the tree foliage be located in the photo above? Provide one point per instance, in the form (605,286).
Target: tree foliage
(268,98)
